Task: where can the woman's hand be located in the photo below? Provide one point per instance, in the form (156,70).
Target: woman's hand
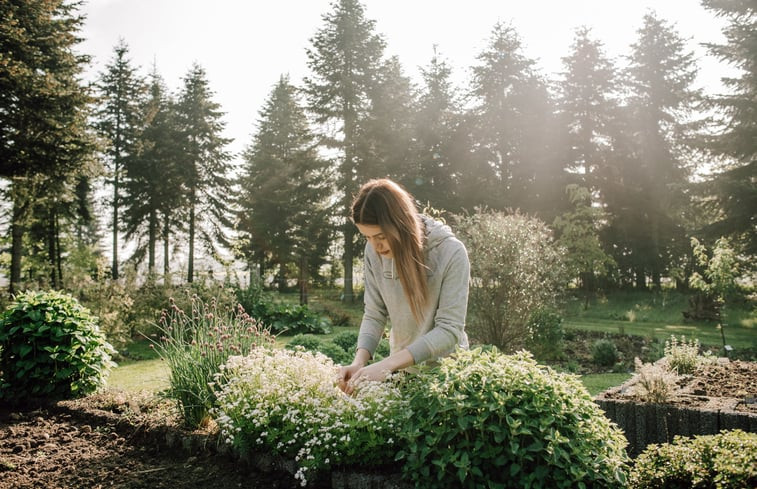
(352,375)
(347,373)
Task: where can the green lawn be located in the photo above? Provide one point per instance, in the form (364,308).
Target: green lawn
(596,383)
(708,334)
(149,375)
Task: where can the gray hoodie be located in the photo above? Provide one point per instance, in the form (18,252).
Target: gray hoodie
(443,326)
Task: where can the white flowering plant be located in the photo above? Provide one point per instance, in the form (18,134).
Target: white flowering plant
(288,403)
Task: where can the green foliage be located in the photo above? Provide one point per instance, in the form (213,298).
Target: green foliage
(289,319)
(52,348)
(604,353)
(194,345)
(727,460)
(313,344)
(546,339)
(287,403)
(483,419)
(346,340)
(516,270)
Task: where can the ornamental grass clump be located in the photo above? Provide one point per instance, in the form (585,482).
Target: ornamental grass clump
(484,419)
(288,403)
(195,345)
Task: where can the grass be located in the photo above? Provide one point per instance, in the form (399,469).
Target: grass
(596,383)
(635,313)
(148,375)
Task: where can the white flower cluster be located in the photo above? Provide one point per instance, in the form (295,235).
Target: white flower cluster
(288,402)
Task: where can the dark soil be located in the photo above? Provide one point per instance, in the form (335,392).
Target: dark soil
(62,446)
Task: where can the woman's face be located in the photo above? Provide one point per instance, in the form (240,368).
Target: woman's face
(376,238)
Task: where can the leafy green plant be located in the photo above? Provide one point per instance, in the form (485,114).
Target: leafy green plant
(727,460)
(546,339)
(287,403)
(346,340)
(51,347)
(484,419)
(313,344)
(604,353)
(289,319)
(194,345)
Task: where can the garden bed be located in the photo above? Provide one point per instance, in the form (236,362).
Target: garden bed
(719,396)
(135,442)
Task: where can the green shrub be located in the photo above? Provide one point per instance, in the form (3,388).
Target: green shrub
(546,339)
(382,350)
(517,269)
(196,344)
(346,340)
(289,319)
(313,344)
(604,353)
(51,347)
(727,460)
(483,419)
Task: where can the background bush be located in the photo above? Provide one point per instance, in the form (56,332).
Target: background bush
(546,335)
(314,344)
(51,347)
(727,460)
(516,270)
(484,419)
(604,353)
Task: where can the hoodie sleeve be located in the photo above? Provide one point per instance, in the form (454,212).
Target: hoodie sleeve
(375,313)
(449,319)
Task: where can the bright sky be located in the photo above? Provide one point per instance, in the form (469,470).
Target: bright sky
(245,45)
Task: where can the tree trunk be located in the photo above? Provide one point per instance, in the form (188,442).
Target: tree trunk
(152,238)
(190,263)
(114,267)
(166,267)
(17,241)
(51,249)
(303,280)
(58,257)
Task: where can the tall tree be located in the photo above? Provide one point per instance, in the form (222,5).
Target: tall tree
(153,186)
(512,110)
(435,166)
(734,188)
(345,59)
(283,206)
(43,106)
(650,172)
(205,166)
(119,122)
(587,106)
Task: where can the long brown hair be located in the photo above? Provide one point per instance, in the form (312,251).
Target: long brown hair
(384,203)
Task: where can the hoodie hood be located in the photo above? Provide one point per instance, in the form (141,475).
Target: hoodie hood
(436,232)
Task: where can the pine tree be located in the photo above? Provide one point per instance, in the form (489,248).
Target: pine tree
(436,165)
(345,59)
(43,108)
(152,192)
(587,106)
(512,112)
(119,121)
(283,206)
(204,165)
(734,188)
(649,167)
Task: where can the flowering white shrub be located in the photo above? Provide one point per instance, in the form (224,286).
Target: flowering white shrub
(288,403)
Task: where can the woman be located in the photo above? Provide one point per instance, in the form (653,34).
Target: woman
(416,276)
